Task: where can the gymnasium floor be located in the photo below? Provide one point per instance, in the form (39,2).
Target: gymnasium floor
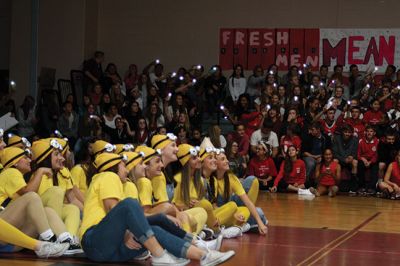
(323,231)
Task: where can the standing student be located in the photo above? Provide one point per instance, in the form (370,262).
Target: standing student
(327,174)
(230,188)
(23,207)
(109,215)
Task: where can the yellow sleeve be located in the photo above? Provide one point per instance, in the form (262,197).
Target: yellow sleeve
(236,186)
(14,181)
(79,177)
(159,185)
(64,179)
(130,190)
(145,191)
(110,187)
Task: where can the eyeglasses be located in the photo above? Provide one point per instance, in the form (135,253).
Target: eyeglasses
(194,151)
(219,151)
(210,149)
(26,142)
(109,147)
(128,147)
(171,136)
(55,144)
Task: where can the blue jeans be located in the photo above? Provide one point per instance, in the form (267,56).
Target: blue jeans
(162,221)
(246,183)
(104,242)
(311,163)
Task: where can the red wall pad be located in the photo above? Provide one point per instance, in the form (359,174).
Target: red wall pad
(268,48)
(296,47)
(282,49)
(240,47)
(311,48)
(226,39)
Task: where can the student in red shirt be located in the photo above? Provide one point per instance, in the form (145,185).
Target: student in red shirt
(375,116)
(367,160)
(262,166)
(390,185)
(292,175)
(290,139)
(328,175)
(355,122)
(329,124)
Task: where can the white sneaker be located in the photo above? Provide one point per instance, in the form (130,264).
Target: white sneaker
(49,249)
(207,233)
(231,232)
(209,245)
(245,227)
(74,247)
(215,257)
(305,192)
(168,259)
(144,256)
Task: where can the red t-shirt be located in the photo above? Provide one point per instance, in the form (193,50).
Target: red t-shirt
(368,149)
(262,169)
(297,175)
(252,122)
(327,179)
(395,177)
(329,129)
(373,118)
(357,125)
(286,142)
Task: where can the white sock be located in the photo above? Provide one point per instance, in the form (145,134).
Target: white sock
(46,235)
(64,236)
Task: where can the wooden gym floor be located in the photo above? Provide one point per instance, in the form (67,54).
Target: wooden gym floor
(324,231)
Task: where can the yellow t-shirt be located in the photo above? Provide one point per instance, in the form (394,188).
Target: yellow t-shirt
(130,190)
(45,184)
(79,177)
(178,199)
(11,181)
(145,191)
(234,183)
(104,185)
(64,178)
(159,185)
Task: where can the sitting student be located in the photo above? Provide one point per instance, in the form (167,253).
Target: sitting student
(367,157)
(375,117)
(230,189)
(390,185)
(327,174)
(355,121)
(237,162)
(15,238)
(136,169)
(53,187)
(387,151)
(109,215)
(17,141)
(291,138)
(313,145)
(329,124)
(292,175)
(24,208)
(345,151)
(262,166)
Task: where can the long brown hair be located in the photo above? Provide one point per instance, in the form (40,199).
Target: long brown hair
(185,184)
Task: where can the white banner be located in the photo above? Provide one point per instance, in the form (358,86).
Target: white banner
(366,48)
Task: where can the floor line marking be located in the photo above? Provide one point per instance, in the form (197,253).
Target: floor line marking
(341,239)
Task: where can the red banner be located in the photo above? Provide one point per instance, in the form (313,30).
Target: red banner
(240,47)
(282,52)
(254,48)
(226,37)
(268,48)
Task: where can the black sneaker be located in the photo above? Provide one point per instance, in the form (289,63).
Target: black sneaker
(371,192)
(208,233)
(74,248)
(362,192)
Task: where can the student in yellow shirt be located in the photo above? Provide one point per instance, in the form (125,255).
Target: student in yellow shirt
(136,168)
(54,186)
(15,238)
(17,141)
(152,160)
(163,185)
(24,208)
(229,185)
(80,170)
(217,216)
(121,221)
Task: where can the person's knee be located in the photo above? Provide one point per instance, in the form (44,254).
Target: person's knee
(31,196)
(354,163)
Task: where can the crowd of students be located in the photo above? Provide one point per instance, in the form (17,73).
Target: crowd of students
(109,169)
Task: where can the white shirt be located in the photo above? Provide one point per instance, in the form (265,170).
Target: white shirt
(257,136)
(238,87)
